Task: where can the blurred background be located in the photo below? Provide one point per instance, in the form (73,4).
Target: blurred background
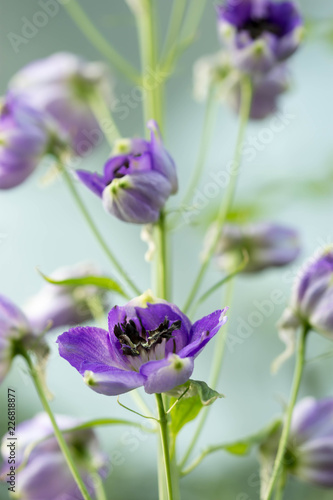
(289,181)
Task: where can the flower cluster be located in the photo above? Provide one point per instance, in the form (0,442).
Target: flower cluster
(258,37)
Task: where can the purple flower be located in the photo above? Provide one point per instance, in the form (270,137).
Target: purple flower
(62,86)
(312,297)
(259,33)
(56,305)
(153,346)
(25,136)
(136,183)
(311,442)
(15,333)
(266,245)
(218,70)
(46,475)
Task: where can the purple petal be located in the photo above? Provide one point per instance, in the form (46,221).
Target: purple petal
(312,418)
(92,181)
(203,331)
(111,381)
(163,162)
(164,375)
(88,344)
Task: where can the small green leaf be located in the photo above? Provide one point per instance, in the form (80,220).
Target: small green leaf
(98,281)
(188,407)
(241,448)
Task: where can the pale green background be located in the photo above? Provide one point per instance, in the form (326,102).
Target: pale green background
(41,227)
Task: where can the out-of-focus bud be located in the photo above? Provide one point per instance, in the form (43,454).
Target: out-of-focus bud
(259,33)
(62,85)
(137,181)
(217,73)
(46,475)
(266,245)
(309,453)
(57,305)
(26,135)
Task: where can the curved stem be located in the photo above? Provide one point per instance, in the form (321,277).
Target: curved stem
(208,125)
(214,377)
(286,428)
(83,22)
(61,441)
(178,9)
(163,422)
(97,234)
(227,201)
(103,115)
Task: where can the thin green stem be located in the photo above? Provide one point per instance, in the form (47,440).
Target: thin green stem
(99,487)
(281,486)
(97,234)
(83,22)
(163,422)
(286,428)
(103,115)
(214,377)
(246,97)
(61,441)
(175,23)
(161,258)
(207,129)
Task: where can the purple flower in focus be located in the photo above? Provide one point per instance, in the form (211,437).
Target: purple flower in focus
(259,33)
(56,305)
(46,475)
(136,182)
(266,245)
(218,70)
(15,333)
(153,346)
(25,137)
(62,86)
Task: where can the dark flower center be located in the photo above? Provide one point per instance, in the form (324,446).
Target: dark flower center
(117,174)
(257,27)
(134,342)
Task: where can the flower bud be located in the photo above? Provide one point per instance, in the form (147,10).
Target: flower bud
(46,475)
(259,33)
(218,71)
(309,453)
(62,86)
(137,183)
(265,245)
(25,136)
(15,333)
(57,305)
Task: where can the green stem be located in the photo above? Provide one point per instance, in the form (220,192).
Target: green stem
(97,40)
(281,486)
(246,95)
(99,487)
(97,234)
(174,27)
(208,125)
(286,428)
(163,422)
(61,441)
(103,115)
(146,23)
(214,377)
(161,258)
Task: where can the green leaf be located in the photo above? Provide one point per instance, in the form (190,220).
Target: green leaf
(187,405)
(98,281)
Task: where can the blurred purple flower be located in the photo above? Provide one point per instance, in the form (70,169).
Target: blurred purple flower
(56,305)
(25,137)
(217,70)
(62,86)
(46,475)
(15,333)
(137,181)
(259,33)
(153,346)
(265,244)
